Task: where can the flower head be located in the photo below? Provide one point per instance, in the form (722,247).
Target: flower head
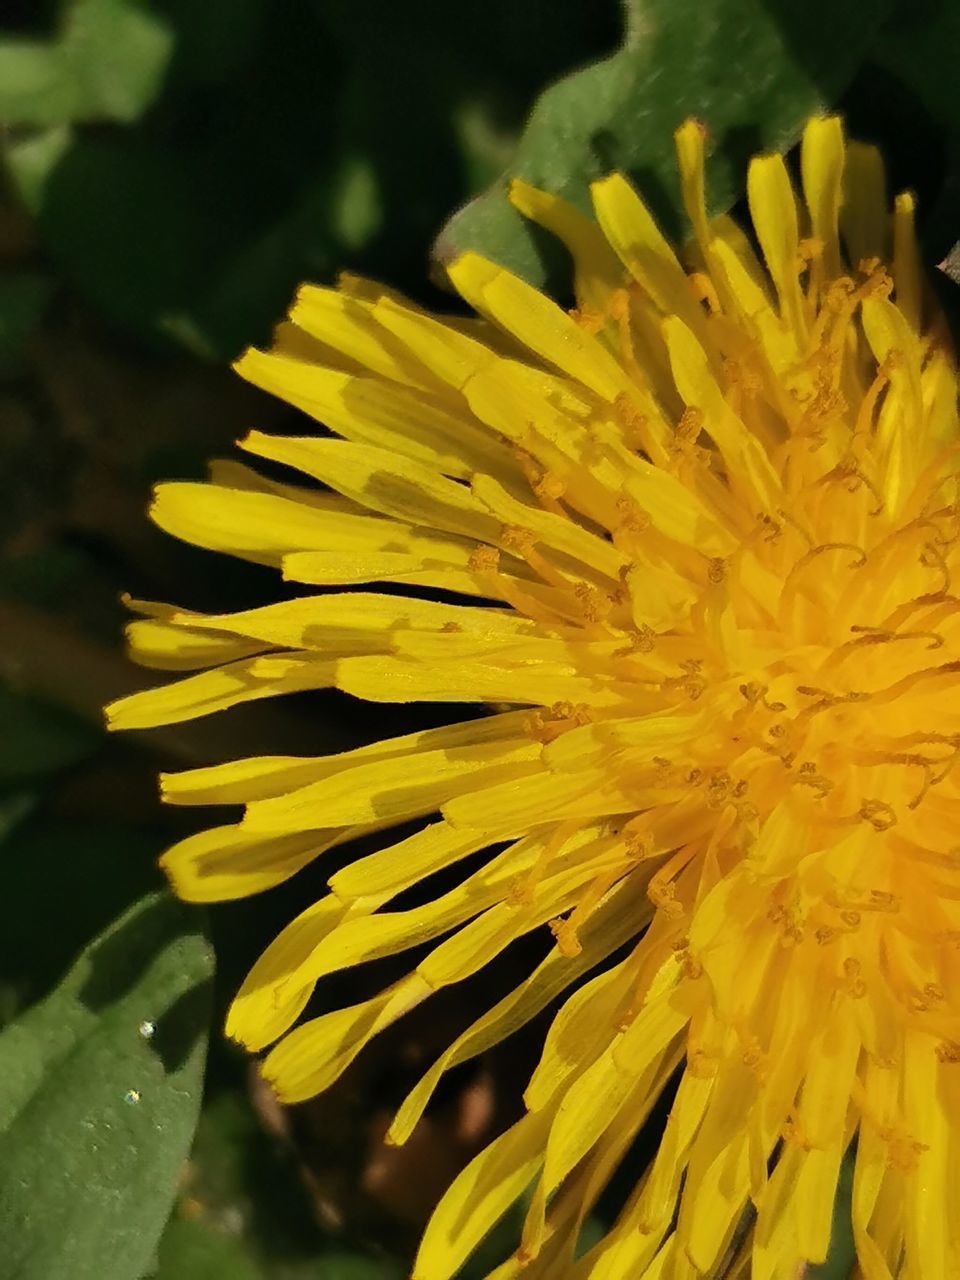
(700,536)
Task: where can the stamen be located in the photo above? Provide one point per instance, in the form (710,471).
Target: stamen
(566,930)
(662,891)
(485,562)
(807,775)
(931,557)
(879,814)
(792,583)
(855,986)
(868,405)
(849,470)
(523,890)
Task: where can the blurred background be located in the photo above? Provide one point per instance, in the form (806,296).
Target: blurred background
(170,172)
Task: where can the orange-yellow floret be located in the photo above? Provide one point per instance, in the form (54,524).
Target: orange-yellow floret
(704,531)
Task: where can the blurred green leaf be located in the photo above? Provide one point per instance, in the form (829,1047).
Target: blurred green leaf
(106,63)
(751,70)
(97,1117)
(191,1249)
(245,1213)
(32,160)
(38,739)
(23,298)
(139,253)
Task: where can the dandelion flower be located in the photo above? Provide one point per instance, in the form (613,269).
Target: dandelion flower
(696,543)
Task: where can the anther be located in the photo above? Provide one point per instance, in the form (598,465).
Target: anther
(690,425)
(701,1065)
(549,487)
(717,570)
(931,557)
(590,320)
(878,813)
(568,944)
(484,559)
(516,538)
(856,987)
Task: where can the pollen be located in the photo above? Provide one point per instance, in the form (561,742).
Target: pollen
(691,550)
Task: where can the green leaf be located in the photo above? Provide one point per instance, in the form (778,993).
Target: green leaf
(37,739)
(191,1249)
(137,253)
(32,161)
(107,63)
(750,70)
(96,1111)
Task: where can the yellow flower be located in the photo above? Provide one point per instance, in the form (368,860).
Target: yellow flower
(716,512)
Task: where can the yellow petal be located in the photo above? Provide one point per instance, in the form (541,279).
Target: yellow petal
(391,789)
(620,915)
(390,870)
(228,862)
(267,1004)
(597,273)
(642,248)
(823,1114)
(382,481)
(255,526)
(346,324)
(480,1196)
(354,621)
(821,166)
(929,1188)
(368,411)
(228,686)
(389,679)
(553,531)
(689,140)
(165,647)
(907,267)
(262,777)
(864,219)
(309,1059)
(747,463)
(539,323)
(774,212)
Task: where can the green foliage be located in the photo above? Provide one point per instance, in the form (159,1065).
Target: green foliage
(106,63)
(96,1117)
(272,151)
(752,72)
